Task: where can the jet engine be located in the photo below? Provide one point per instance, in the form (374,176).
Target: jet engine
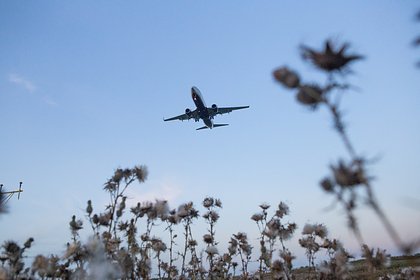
(188,112)
(214,108)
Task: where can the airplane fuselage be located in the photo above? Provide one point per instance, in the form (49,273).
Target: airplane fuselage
(201,107)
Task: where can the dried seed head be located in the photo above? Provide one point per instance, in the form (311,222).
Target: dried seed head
(40,265)
(310,95)
(257,217)
(309,243)
(241,236)
(320,230)
(327,185)
(287,256)
(329,59)
(162,209)
(208,202)
(218,203)
(118,175)
(89,208)
(127,173)
(247,249)
(277,269)
(308,229)
(348,175)
(213,216)
(192,243)
(282,210)
(12,248)
(158,245)
(287,232)
(208,238)
(173,219)
(286,77)
(141,173)
(187,210)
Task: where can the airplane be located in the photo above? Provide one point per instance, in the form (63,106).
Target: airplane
(202,112)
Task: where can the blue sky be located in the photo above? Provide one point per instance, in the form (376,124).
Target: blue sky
(84,87)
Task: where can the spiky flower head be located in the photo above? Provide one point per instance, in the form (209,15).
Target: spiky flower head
(212,216)
(287,232)
(141,173)
(192,243)
(208,202)
(348,175)
(158,245)
(282,210)
(331,58)
(257,217)
(11,248)
(309,243)
(241,236)
(218,203)
(118,175)
(320,230)
(208,238)
(187,210)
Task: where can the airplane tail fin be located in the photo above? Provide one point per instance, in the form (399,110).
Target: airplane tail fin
(214,125)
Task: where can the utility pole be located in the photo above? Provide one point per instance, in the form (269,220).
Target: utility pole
(6,195)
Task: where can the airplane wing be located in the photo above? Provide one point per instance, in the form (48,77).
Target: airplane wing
(223,110)
(183,117)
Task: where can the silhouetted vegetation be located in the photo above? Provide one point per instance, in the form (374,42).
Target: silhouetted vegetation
(416,41)
(349,183)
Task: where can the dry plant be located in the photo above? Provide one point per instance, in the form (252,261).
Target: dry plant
(125,246)
(416,42)
(272,230)
(349,182)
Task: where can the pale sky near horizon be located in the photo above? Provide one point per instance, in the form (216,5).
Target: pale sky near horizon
(84,86)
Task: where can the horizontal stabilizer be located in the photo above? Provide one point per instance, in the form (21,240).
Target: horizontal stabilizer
(214,125)
(220,124)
